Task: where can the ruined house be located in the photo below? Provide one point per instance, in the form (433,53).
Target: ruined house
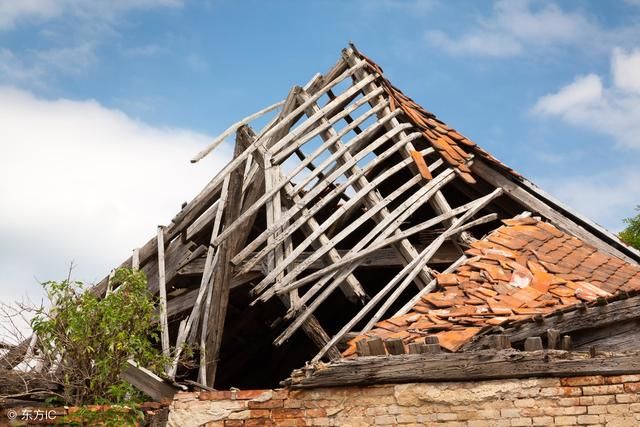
(361,250)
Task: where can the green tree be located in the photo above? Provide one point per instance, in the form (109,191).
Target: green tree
(631,234)
(91,338)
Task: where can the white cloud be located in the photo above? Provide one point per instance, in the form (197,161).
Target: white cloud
(606,197)
(583,91)
(516,27)
(83,182)
(481,44)
(15,12)
(625,68)
(614,111)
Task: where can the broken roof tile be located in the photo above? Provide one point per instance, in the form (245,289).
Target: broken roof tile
(513,278)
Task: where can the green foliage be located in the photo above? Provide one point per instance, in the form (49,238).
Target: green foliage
(96,336)
(111,416)
(631,234)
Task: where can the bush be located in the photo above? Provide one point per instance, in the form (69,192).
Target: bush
(94,337)
(631,234)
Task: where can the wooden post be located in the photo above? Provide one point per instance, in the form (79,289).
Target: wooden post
(394,346)
(162,286)
(376,346)
(362,348)
(553,339)
(500,342)
(533,344)
(566,343)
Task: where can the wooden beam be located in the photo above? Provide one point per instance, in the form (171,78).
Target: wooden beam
(534,203)
(575,320)
(223,273)
(147,382)
(384,257)
(476,366)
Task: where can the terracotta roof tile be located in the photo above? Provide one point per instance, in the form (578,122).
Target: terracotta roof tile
(452,146)
(508,280)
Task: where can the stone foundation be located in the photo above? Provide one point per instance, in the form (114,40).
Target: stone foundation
(592,400)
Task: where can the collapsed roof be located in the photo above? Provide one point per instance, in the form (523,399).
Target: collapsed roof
(343,210)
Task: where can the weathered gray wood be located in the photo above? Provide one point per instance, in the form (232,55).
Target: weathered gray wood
(376,346)
(362,348)
(218,140)
(553,339)
(383,257)
(431,348)
(223,271)
(500,342)
(162,301)
(566,343)
(147,382)
(414,348)
(533,344)
(372,198)
(534,203)
(614,312)
(594,227)
(394,346)
(481,365)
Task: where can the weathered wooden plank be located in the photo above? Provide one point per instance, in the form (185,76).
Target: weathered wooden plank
(481,365)
(532,202)
(591,317)
(147,382)
(383,257)
(162,303)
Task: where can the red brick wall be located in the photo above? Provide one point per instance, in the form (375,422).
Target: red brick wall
(593,400)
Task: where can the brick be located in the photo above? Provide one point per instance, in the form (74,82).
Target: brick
(597,409)
(561,391)
(186,395)
(446,416)
(287,413)
(479,423)
(280,393)
(490,414)
(565,410)
(510,413)
(293,403)
(578,381)
(258,423)
(588,419)
(524,403)
(617,379)
(406,419)
(569,401)
(603,389)
(315,413)
(626,398)
(603,400)
(233,423)
(519,422)
(384,420)
(542,421)
(565,421)
(632,387)
(251,394)
(618,409)
(268,404)
(585,400)
(215,395)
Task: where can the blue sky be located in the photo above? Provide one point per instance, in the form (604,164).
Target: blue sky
(104,102)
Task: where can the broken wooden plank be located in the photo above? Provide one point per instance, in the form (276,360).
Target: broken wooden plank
(148,382)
